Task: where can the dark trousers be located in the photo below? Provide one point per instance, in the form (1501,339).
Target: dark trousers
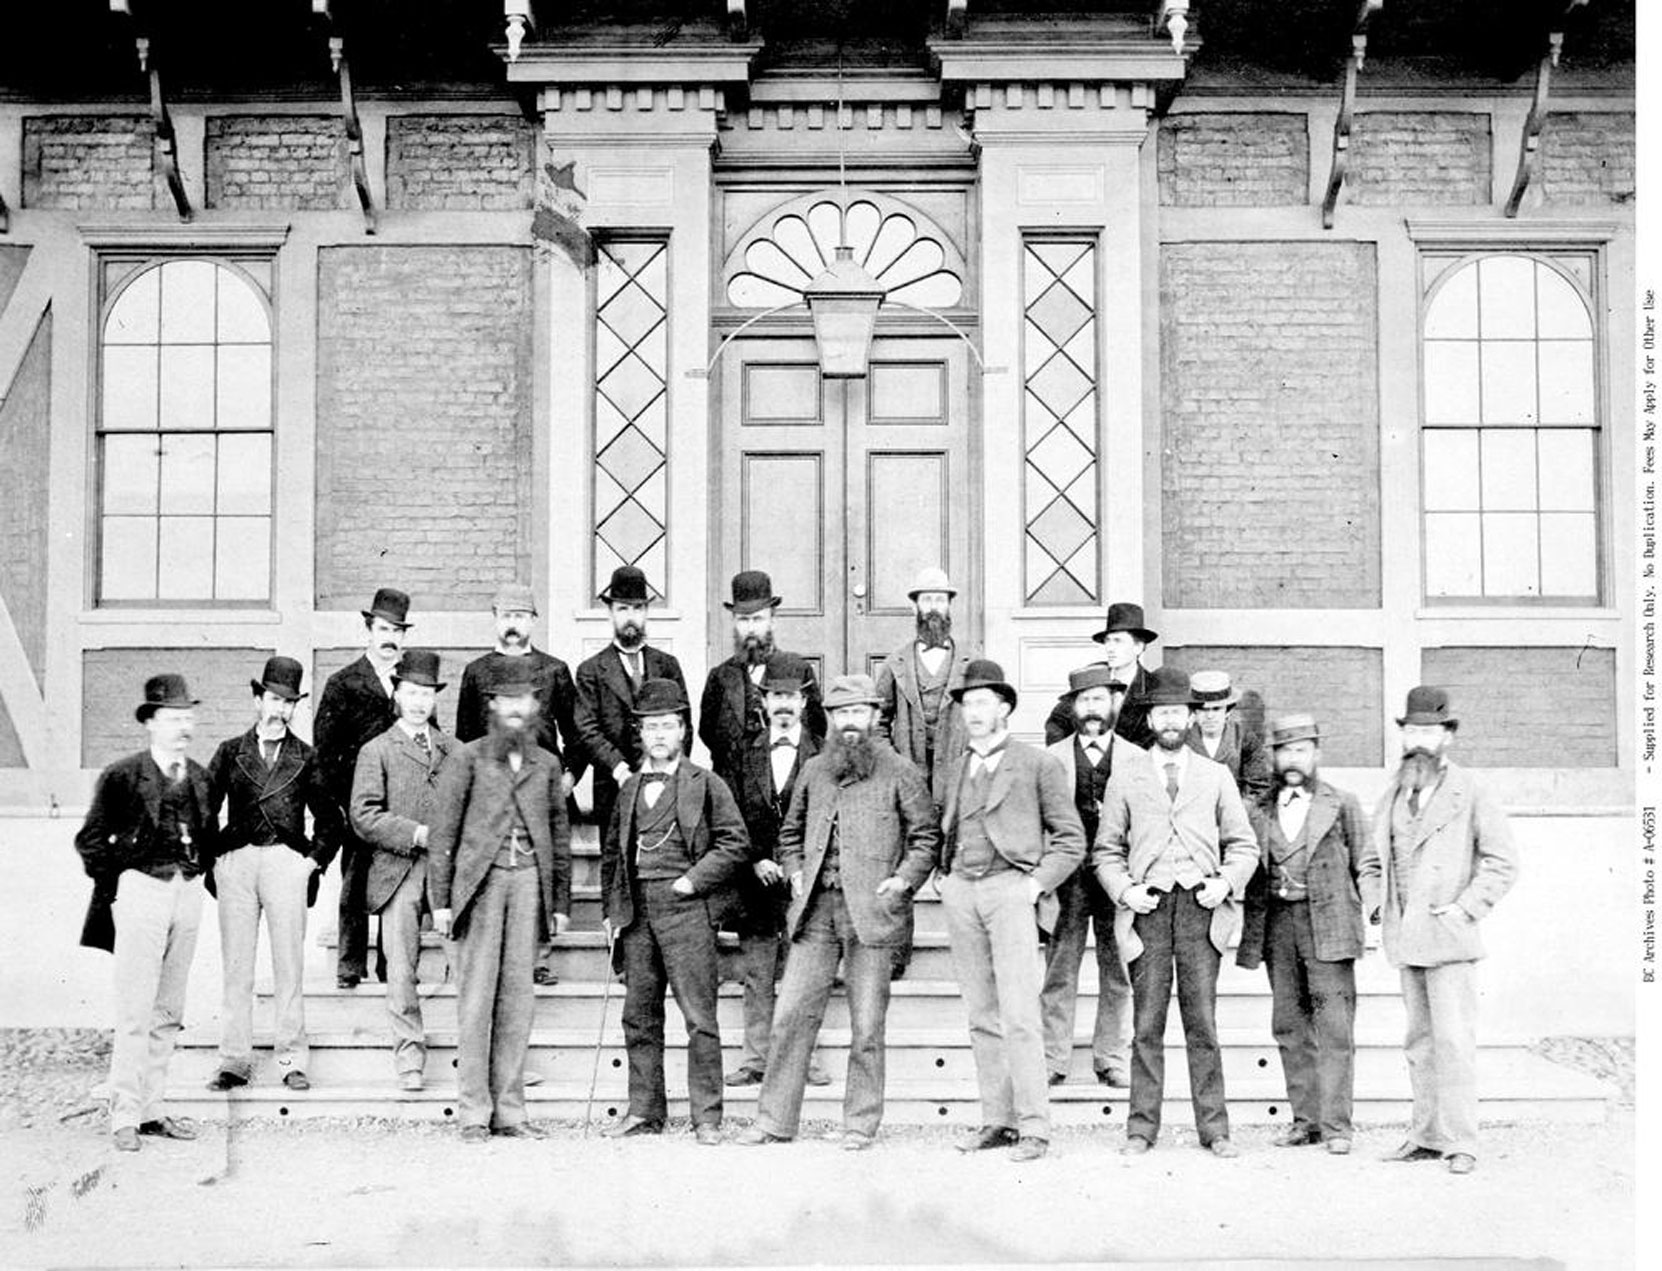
(1177,935)
(352,947)
(1313,1018)
(670,944)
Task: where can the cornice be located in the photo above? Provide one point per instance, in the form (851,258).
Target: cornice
(631,63)
(1005,59)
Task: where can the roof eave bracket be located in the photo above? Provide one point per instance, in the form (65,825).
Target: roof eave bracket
(1529,147)
(1347,107)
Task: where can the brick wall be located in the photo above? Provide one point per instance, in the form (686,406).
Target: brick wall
(424,423)
(1343,687)
(1571,721)
(1413,160)
(452,662)
(1270,468)
(113,685)
(281,161)
(73,162)
(1234,160)
(470,162)
(1587,158)
(25,466)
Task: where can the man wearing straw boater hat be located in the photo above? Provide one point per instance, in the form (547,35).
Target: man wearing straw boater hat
(268,779)
(919,716)
(1303,922)
(1440,858)
(1218,732)
(144,842)
(1123,638)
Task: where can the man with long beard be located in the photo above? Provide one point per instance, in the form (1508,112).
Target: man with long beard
(499,876)
(850,907)
(1440,858)
(731,712)
(918,715)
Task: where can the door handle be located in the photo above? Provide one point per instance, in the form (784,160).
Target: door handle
(859,591)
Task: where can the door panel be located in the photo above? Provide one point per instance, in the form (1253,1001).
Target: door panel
(784,496)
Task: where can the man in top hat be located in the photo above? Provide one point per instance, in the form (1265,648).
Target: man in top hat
(1440,858)
(394,798)
(1303,922)
(607,684)
(356,705)
(499,877)
(1010,838)
(144,843)
(1123,639)
(1174,850)
(1082,905)
(848,907)
(515,611)
(732,712)
(267,779)
(1218,732)
(919,716)
(668,861)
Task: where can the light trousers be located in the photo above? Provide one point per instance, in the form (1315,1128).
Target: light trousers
(401,939)
(155,939)
(1442,1055)
(251,881)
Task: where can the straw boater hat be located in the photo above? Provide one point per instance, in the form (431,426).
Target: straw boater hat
(391,604)
(1294,726)
(752,592)
(985,673)
(852,690)
(164,692)
(1428,705)
(931,579)
(1211,688)
(1124,616)
(418,666)
(515,597)
(282,677)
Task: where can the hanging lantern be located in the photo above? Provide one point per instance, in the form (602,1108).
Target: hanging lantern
(844,301)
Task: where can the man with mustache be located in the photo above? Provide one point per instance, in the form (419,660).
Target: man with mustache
(1303,921)
(1123,639)
(1174,850)
(919,716)
(1440,858)
(847,906)
(1218,732)
(499,876)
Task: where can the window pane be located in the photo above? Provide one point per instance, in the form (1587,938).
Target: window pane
(130,388)
(1566,381)
(245,386)
(1451,470)
(1509,382)
(1560,310)
(187,473)
(188,302)
(1567,469)
(1450,382)
(1569,560)
(134,317)
(1506,296)
(242,564)
(1510,554)
(130,466)
(187,387)
(1508,469)
(128,558)
(1453,312)
(186,563)
(242,315)
(245,474)
(1452,556)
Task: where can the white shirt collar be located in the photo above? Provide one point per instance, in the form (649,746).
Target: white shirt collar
(411,730)
(166,762)
(792,734)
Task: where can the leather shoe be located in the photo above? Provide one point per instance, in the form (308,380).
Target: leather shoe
(1114,1075)
(545,976)
(756,1136)
(743,1077)
(1298,1136)
(1057,1078)
(296,1081)
(169,1128)
(409,1080)
(1410,1151)
(708,1134)
(988,1136)
(222,1081)
(1338,1147)
(1029,1148)
(631,1126)
(519,1130)
(126,1139)
(348,981)
(1462,1163)
(817,1076)
(475,1134)
(1224,1148)
(1136,1145)
(854,1141)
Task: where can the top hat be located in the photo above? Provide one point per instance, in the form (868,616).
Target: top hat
(282,677)
(1096,675)
(1171,688)
(1125,616)
(419,666)
(985,673)
(659,696)
(852,690)
(785,673)
(391,604)
(515,597)
(1296,726)
(931,579)
(752,592)
(164,691)
(628,584)
(1212,688)
(1428,705)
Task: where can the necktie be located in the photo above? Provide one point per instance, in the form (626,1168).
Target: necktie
(1093,752)
(1116,688)
(632,661)
(1171,782)
(652,786)
(423,741)
(654,778)
(1414,801)
(268,752)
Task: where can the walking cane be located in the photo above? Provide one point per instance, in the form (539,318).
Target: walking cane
(600,1039)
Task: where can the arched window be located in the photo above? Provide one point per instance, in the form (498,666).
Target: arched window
(1510,445)
(185,434)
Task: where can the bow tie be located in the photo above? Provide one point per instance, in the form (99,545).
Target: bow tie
(1290,794)
(996,750)
(654,778)
(782,741)
(1114,686)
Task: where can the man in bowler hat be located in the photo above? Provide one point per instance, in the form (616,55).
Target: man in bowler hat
(144,842)
(1123,638)
(919,716)
(1217,731)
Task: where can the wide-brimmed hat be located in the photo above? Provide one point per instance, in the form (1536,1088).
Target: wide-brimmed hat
(1170,688)
(931,579)
(752,592)
(785,673)
(419,666)
(985,673)
(391,604)
(1294,726)
(165,691)
(852,690)
(1428,705)
(1212,688)
(517,597)
(628,584)
(1096,675)
(1125,616)
(282,677)
(659,697)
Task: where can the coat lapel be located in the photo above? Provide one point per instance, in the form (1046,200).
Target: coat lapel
(282,773)
(1003,780)
(1447,802)
(905,664)
(150,788)
(689,801)
(251,762)
(1324,810)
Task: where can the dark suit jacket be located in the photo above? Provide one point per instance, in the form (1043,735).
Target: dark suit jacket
(885,826)
(726,724)
(256,797)
(120,828)
(900,718)
(1243,753)
(1133,721)
(395,790)
(473,814)
(604,720)
(352,709)
(1337,838)
(556,730)
(762,907)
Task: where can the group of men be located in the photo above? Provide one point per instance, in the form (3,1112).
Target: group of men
(1152,819)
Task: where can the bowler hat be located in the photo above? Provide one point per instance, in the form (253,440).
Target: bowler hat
(752,592)
(785,673)
(1428,705)
(282,677)
(515,597)
(659,697)
(931,579)
(985,673)
(1096,675)
(852,690)
(1125,616)
(1171,688)
(419,666)
(628,584)
(164,691)
(1212,688)
(508,676)
(1295,726)
(391,604)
